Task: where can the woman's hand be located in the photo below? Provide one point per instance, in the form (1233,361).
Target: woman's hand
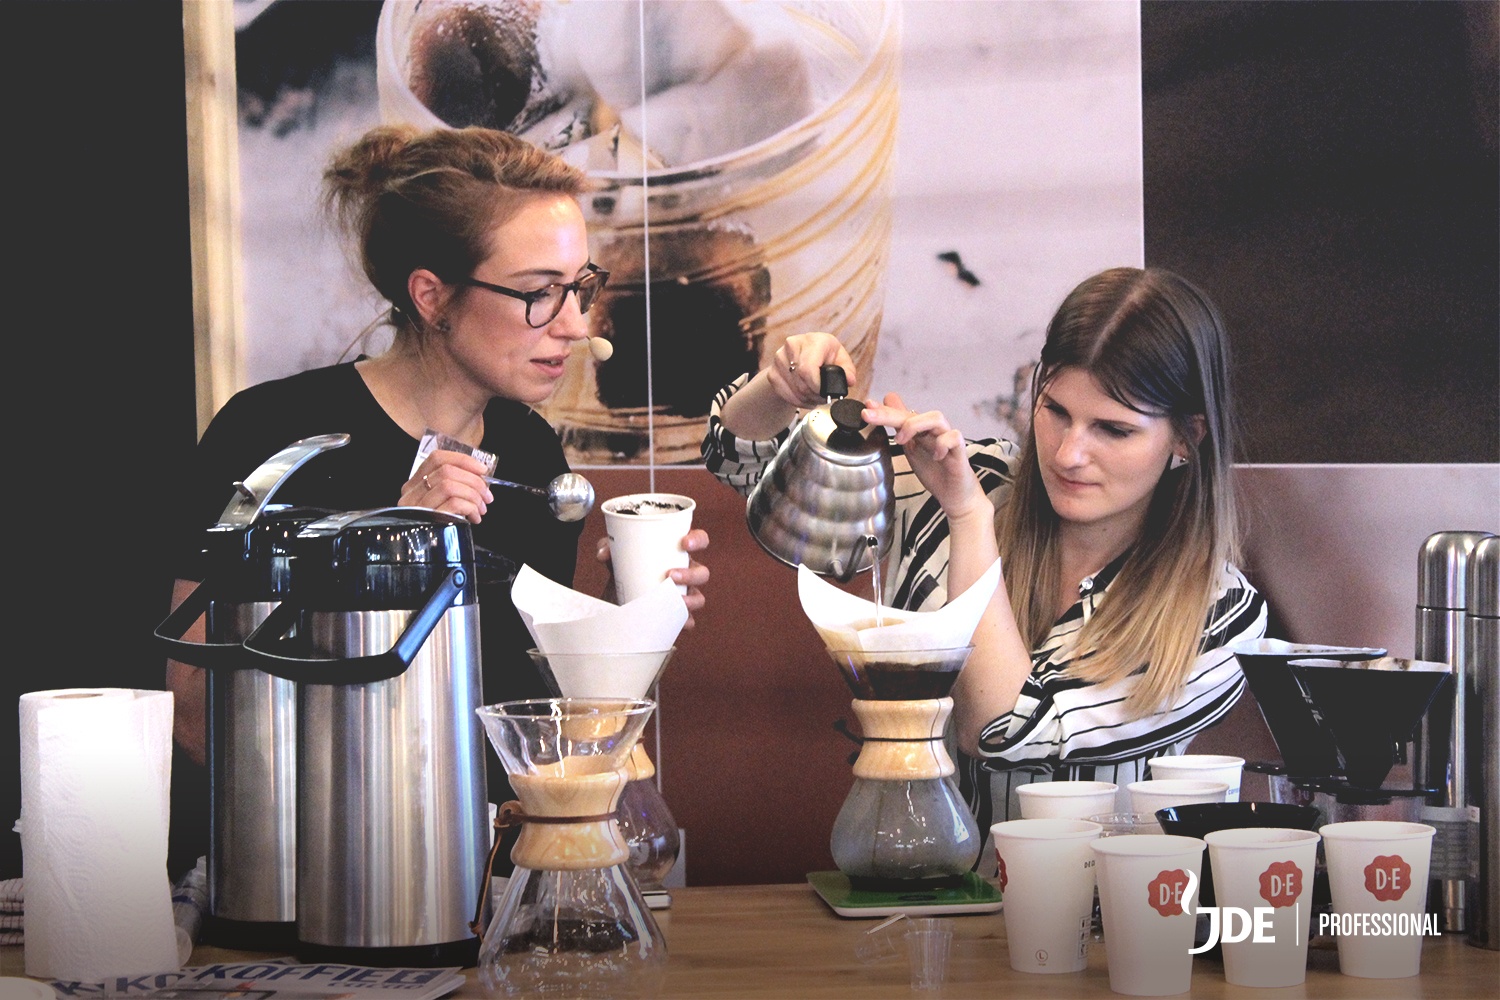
(789,382)
(693,576)
(452,482)
(795,371)
(937,455)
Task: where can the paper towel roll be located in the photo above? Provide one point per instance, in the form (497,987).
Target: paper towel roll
(95,784)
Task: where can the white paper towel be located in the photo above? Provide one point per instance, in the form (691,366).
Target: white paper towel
(842,619)
(95,784)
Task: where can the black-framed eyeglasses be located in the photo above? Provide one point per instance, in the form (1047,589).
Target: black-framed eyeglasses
(543,305)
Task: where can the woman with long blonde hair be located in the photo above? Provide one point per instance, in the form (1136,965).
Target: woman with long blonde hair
(1108,643)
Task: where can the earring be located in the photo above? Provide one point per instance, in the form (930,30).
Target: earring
(442,326)
(1178,461)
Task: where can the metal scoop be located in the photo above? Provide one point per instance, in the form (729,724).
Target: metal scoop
(570,496)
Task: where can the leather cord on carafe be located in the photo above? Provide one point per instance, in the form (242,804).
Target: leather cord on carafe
(508,815)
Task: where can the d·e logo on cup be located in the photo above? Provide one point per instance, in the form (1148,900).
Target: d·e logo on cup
(1165,892)
(1001,872)
(1387,877)
(1281,884)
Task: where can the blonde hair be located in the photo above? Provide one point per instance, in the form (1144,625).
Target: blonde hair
(1155,343)
(411,199)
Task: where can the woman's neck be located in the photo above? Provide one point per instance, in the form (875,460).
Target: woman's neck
(1083,550)
(419,393)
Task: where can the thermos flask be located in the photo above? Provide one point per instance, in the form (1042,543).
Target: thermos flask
(1482,649)
(252,718)
(381,637)
(1445,753)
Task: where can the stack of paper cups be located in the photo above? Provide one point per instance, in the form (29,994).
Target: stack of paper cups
(95,783)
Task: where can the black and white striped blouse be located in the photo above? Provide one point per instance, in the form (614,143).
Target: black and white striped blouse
(1061,728)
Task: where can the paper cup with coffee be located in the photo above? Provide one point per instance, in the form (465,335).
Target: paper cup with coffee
(645,539)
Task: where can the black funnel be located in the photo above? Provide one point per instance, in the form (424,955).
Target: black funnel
(1371,708)
(1339,710)
(1306,743)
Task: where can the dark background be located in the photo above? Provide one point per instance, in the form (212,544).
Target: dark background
(1325,170)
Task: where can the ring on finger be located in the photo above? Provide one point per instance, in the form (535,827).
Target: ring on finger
(792,367)
(426,482)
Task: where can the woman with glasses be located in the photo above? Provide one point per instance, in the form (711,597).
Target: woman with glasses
(1108,642)
(477,242)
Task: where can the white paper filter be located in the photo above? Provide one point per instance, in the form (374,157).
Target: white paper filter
(561,620)
(842,619)
(95,784)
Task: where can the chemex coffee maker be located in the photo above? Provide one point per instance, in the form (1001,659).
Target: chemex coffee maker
(1343,719)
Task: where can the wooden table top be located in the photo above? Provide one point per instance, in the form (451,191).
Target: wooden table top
(782,941)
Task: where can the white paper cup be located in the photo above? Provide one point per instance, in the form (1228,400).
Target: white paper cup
(645,539)
(1046,874)
(1377,877)
(1066,799)
(1158,793)
(1203,767)
(1259,869)
(1148,918)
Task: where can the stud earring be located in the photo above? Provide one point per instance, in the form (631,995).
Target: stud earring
(442,326)
(1178,461)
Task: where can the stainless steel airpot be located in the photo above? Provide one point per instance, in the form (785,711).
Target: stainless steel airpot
(827,494)
(252,715)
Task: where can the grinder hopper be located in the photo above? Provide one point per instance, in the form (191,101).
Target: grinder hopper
(1339,711)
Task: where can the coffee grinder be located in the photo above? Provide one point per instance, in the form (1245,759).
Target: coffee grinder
(1342,718)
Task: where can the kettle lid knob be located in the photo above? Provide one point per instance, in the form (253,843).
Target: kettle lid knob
(847,415)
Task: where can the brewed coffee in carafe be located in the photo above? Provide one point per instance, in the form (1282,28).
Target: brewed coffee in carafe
(904,824)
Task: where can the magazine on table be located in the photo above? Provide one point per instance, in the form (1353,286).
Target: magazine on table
(265,980)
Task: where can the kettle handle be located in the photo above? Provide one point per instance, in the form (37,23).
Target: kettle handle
(208,655)
(267,646)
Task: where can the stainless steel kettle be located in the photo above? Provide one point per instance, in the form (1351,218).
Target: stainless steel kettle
(826,499)
(252,718)
(381,637)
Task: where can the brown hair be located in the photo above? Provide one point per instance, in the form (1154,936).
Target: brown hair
(1155,343)
(411,199)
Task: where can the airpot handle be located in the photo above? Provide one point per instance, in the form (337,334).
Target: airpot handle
(270,650)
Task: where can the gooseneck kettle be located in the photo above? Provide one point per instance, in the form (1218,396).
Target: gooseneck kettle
(381,636)
(252,719)
(826,500)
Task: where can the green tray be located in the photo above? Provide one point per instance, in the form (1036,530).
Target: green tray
(976,895)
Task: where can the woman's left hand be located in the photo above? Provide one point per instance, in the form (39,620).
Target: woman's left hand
(693,576)
(936,451)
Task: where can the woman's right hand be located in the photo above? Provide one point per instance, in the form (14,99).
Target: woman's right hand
(795,371)
(449,481)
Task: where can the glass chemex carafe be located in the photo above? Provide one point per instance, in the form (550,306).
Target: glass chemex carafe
(572,921)
(904,825)
(645,818)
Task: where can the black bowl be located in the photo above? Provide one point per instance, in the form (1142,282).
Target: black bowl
(1198,818)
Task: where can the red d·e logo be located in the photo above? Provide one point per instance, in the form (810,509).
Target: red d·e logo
(1164,892)
(1281,884)
(1388,877)
(1000,862)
